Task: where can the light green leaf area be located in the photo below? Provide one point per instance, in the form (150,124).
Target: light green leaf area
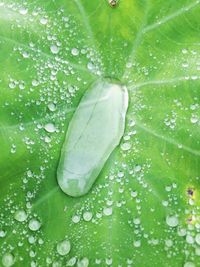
(143,209)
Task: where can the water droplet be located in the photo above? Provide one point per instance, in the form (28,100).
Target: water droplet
(172,221)
(113,3)
(43,21)
(194,119)
(87,216)
(52,107)
(34,225)
(125,146)
(23,11)
(189,264)
(76,219)
(107,211)
(137,243)
(20,215)
(75,52)
(71,262)
(2,233)
(96,128)
(83,263)
(63,247)
(54,49)
(137,168)
(8,260)
(50,127)
(197,239)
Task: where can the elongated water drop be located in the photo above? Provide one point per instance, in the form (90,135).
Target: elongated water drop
(93,133)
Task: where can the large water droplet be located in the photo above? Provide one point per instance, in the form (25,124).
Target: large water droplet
(172,221)
(20,215)
(8,260)
(63,248)
(93,133)
(34,225)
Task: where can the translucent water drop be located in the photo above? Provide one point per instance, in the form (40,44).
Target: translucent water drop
(93,133)
(23,11)
(20,215)
(8,260)
(34,225)
(189,239)
(52,107)
(137,168)
(76,219)
(75,52)
(197,239)
(125,146)
(172,221)
(54,49)
(63,247)
(50,127)
(2,233)
(137,243)
(189,264)
(43,21)
(83,263)
(107,211)
(87,216)
(194,119)
(71,262)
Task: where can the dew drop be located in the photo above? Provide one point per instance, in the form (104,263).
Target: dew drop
(23,11)
(50,127)
(197,239)
(83,263)
(75,52)
(54,49)
(52,107)
(8,260)
(194,119)
(76,219)
(63,247)
(172,221)
(43,21)
(34,225)
(125,146)
(71,262)
(189,264)
(107,211)
(2,233)
(87,216)
(20,215)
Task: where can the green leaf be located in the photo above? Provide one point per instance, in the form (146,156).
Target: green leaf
(143,209)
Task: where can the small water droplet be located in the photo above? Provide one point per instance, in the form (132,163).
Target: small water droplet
(87,216)
(76,219)
(107,211)
(75,52)
(50,127)
(189,264)
(125,146)
(52,107)
(54,49)
(43,21)
(23,11)
(197,239)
